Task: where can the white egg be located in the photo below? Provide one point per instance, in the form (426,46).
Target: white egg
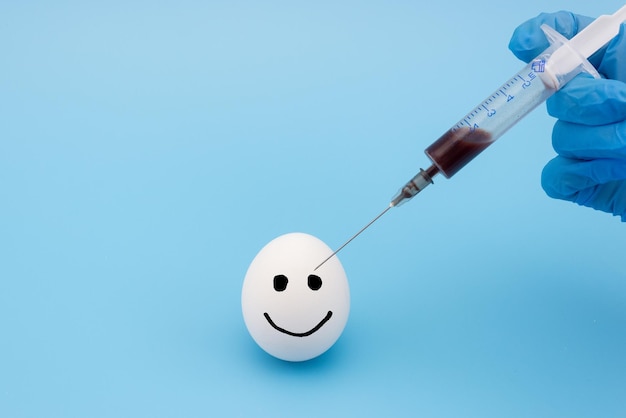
(293,312)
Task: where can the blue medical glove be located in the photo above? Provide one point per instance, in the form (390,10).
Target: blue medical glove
(590,134)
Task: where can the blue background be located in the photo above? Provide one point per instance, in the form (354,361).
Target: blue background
(148,150)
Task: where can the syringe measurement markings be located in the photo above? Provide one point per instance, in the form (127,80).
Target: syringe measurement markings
(501,93)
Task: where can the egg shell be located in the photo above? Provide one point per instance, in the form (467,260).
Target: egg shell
(299,322)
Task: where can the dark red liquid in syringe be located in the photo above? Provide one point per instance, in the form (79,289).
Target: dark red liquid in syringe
(456,148)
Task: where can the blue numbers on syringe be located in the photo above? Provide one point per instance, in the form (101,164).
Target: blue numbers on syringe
(510,102)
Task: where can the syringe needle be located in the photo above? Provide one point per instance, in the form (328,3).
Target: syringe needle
(354,236)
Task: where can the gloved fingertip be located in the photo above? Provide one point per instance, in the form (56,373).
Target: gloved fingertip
(598,184)
(552,182)
(528,40)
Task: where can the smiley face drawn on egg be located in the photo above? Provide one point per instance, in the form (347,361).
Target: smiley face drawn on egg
(293,312)
(280,284)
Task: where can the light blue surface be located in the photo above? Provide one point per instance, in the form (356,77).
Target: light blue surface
(148,150)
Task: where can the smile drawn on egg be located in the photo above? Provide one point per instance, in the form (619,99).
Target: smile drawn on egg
(299,334)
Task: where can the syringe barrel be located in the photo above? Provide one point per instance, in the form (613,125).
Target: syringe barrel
(488,121)
(507,105)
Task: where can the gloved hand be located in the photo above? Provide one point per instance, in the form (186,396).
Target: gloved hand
(590,134)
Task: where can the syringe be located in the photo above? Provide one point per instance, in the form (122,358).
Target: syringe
(507,105)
